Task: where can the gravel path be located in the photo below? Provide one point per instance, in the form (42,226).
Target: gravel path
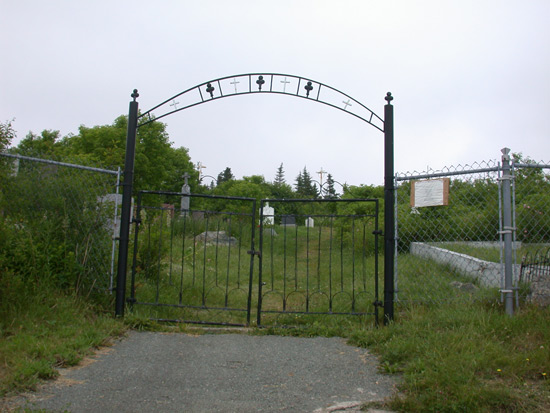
(164,372)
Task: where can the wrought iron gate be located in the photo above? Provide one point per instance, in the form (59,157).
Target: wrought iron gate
(317,257)
(195,263)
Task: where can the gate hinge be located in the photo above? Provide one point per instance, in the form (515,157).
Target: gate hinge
(131,300)
(378,303)
(377,232)
(136,221)
(254,252)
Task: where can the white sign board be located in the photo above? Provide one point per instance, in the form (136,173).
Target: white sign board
(432,192)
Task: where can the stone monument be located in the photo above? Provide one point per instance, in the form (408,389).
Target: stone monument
(185,200)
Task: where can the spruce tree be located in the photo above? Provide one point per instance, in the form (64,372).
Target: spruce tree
(304,185)
(225,176)
(280,176)
(330,192)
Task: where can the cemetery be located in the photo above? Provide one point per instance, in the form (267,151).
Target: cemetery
(332,264)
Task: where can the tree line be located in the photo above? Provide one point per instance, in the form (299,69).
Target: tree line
(158,164)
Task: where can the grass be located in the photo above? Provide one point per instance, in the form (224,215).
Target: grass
(456,358)
(454,352)
(42,329)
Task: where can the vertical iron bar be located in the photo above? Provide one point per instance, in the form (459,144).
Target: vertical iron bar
(239,254)
(172,222)
(296,258)
(228,262)
(271,261)
(204,263)
(126,211)
(330,265)
(217,249)
(389,214)
(284,268)
(249,303)
(161,224)
(193,231)
(260,262)
(307,268)
(363,256)
(353,264)
(341,259)
(376,239)
(319,262)
(134,258)
(182,257)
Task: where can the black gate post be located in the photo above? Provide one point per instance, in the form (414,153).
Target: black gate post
(126,211)
(389,212)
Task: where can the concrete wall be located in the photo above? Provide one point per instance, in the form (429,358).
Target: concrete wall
(488,273)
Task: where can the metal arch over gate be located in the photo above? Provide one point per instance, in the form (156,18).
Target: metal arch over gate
(254,83)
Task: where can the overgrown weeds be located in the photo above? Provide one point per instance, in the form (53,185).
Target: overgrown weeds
(457,358)
(43,328)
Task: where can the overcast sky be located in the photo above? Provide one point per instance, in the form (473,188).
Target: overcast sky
(468,77)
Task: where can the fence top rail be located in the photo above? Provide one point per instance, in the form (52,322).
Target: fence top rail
(322,200)
(531,165)
(447,173)
(50,162)
(236,198)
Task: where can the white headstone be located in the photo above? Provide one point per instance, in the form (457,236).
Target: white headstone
(310,223)
(114,201)
(268,214)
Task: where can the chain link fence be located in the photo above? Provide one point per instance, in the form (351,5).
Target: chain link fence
(450,232)
(58,222)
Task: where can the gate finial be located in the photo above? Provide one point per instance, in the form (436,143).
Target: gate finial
(388,98)
(135,94)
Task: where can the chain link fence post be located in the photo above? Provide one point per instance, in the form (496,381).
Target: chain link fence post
(507,231)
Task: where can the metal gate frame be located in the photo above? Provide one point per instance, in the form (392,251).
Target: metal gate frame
(133,300)
(167,281)
(267,223)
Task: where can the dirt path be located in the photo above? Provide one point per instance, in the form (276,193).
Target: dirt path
(159,372)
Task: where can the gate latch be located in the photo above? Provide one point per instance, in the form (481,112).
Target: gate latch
(254,252)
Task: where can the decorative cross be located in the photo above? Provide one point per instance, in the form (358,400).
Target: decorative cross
(321,172)
(260,82)
(284,82)
(235,81)
(210,89)
(347,104)
(200,167)
(174,104)
(308,88)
